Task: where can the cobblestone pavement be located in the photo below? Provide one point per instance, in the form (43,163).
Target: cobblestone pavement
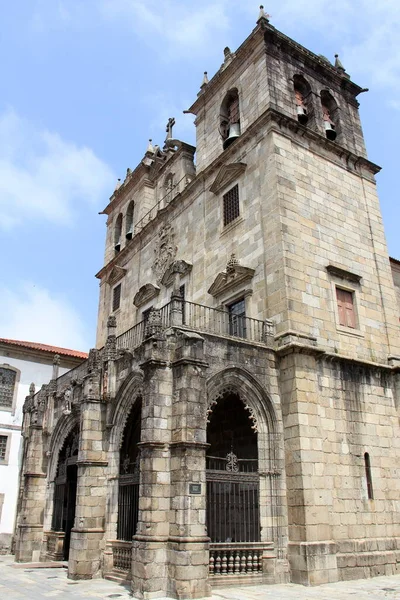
(25,582)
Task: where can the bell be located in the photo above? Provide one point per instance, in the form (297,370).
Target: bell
(234,133)
(330,131)
(117,247)
(302,115)
(129,234)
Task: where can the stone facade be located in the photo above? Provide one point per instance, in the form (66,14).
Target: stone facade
(238,420)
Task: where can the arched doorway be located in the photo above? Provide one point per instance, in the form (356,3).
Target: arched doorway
(65,489)
(128,480)
(233,507)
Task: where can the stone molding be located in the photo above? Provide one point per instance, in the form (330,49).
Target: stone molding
(147,292)
(342,273)
(116,274)
(226,175)
(178,267)
(234,276)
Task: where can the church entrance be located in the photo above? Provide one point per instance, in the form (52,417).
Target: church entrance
(128,493)
(233,515)
(128,483)
(65,490)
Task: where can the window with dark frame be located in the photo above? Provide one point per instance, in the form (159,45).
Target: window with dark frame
(7,384)
(346,309)
(231,205)
(116,303)
(237,318)
(146,314)
(368,476)
(182,294)
(3,447)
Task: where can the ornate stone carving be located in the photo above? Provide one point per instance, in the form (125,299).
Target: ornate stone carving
(67,402)
(146,293)
(178,268)
(154,323)
(164,252)
(231,390)
(234,276)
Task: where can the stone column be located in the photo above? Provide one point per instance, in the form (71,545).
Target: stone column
(312,552)
(188,542)
(30,518)
(150,556)
(88,533)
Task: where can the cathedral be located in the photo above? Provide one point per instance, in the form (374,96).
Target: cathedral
(238,420)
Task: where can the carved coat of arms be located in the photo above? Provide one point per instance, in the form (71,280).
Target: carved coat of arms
(164,252)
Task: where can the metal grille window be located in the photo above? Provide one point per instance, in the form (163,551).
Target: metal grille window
(116,297)
(3,447)
(7,383)
(231,205)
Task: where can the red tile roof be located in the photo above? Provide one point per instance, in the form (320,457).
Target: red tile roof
(45,348)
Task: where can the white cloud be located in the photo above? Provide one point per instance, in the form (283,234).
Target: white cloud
(44,176)
(31,313)
(174,25)
(363,32)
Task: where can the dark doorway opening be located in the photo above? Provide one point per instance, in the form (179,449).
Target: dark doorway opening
(129,470)
(65,489)
(233,514)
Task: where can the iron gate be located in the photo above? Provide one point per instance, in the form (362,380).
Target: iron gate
(233,513)
(128,506)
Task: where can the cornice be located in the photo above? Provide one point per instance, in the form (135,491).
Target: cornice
(332,151)
(317,63)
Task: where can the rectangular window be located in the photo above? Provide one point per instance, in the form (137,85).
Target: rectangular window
(146,314)
(346,309)
(231,205)
(3,448)
(237,318)
(116,297)
(182,293)
(7,383)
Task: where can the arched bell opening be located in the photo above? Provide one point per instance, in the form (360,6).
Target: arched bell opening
(128,479)
(65,485)
(229,118)
(330,115)
(233,508)
(303,99)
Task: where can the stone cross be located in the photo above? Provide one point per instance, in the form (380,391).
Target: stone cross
(168,129)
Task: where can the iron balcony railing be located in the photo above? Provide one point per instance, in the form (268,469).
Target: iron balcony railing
(191,316)
(221,322)
(201,318)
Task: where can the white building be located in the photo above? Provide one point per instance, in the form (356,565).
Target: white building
(21,364)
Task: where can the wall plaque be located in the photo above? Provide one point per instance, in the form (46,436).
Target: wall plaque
(194,488)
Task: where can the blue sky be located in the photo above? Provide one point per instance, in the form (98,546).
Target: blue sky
(85,83)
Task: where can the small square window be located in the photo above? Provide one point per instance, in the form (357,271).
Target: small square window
(231,205)
(116,302)
(346,308)
(3,448)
